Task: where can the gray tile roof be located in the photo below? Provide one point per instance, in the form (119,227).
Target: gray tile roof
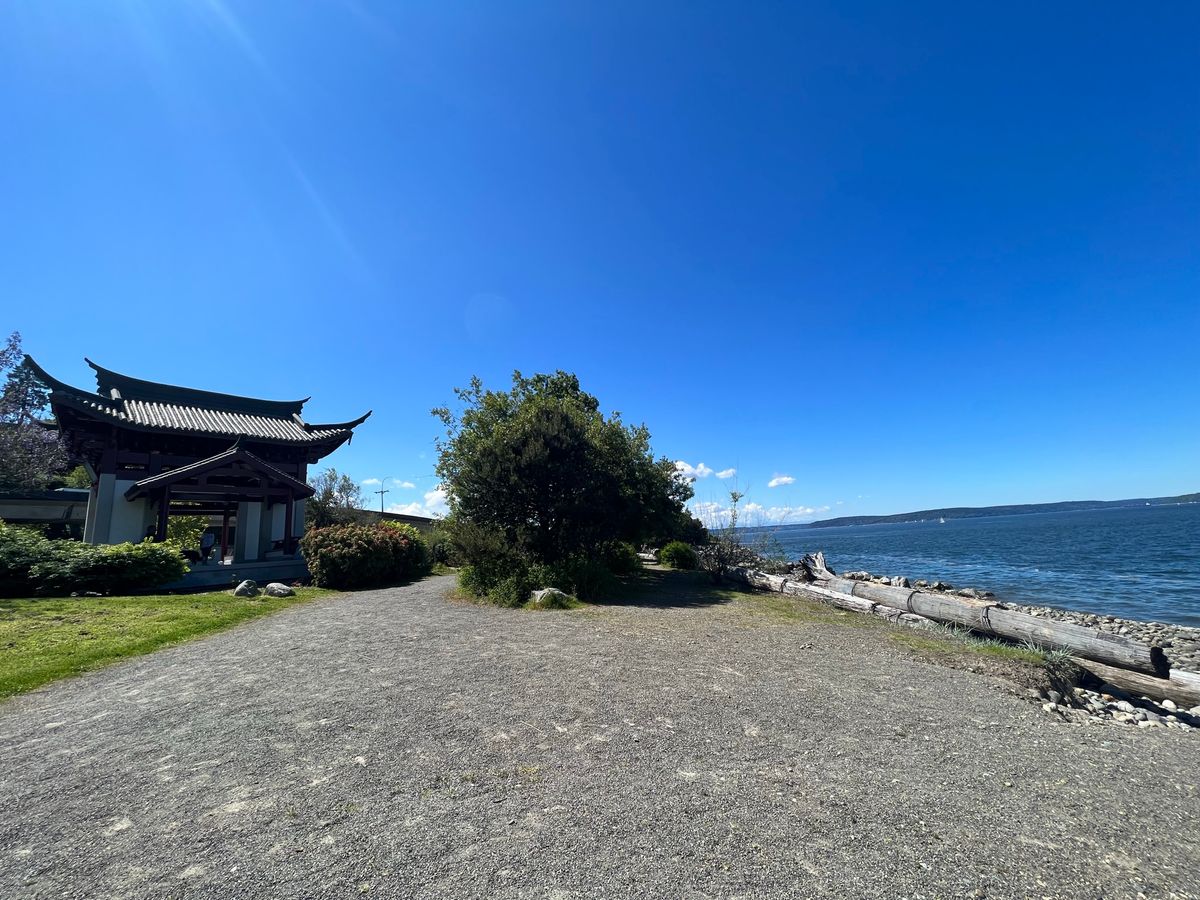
(207,413)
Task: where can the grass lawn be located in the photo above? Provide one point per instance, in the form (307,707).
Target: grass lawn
(47,638)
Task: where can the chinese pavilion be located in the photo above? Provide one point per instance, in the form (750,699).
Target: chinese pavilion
(155,450)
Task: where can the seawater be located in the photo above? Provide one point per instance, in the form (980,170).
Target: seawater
(1136,562)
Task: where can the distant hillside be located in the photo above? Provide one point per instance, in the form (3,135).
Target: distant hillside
(976,512)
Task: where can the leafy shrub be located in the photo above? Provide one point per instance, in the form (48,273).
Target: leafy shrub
(591,580)
(360,556)
(678,555)
(442,549)
(186,530)
(417,560)
(32,565)
(20,550)
(621,558)
(512,591)
(495,571)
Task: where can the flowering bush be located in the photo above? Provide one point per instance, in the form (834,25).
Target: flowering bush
(361,556)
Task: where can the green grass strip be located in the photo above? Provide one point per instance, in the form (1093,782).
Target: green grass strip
(44,639)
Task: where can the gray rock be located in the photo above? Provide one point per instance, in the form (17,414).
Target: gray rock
(549,596)
(278,589)
(1169,704)
(1054,696)
(247,588)
(899,581)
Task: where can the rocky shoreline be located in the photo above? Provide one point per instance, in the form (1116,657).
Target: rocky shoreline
(1105,704)
(1180,642)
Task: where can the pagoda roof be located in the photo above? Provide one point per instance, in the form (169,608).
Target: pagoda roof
(235,456)
(149,406)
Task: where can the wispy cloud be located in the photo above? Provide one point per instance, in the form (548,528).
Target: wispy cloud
(780,480)
(726,473)
(405,484)
(689,471)
(716,515)
(433,506)
(370,481)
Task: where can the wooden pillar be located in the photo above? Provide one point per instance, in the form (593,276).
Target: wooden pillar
(164,508)
(288,515)
(225,534)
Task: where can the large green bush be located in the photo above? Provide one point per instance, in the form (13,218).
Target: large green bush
(442,548)
(621,558)
(508,581)
(678,555)
(416,553)
(32,565)
(361,556)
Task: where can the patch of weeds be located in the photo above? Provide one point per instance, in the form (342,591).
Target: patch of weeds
(799,610)
(554,601)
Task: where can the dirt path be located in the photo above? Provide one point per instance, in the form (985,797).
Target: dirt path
(393,743)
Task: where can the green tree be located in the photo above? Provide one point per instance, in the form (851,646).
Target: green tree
(335,498)
(31,454)
(541,468)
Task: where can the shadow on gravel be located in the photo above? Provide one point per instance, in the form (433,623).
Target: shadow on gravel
(667,589)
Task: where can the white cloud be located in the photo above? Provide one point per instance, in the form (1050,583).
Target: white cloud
(726,473)
(716,515)
(688,471)
(434,506)
(371,481)
(779,480)
(405,484)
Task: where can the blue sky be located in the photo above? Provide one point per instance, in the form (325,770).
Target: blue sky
(882,256)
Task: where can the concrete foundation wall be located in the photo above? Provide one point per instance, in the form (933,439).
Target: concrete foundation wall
(128,519)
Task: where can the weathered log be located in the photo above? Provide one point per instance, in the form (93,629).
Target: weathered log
(989,617)
(855,604)
(1182,688)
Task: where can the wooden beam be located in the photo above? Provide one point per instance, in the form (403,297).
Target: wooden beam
(164,510)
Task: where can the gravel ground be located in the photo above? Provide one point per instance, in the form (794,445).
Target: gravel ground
(396,743)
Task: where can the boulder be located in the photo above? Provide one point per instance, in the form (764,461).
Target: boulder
(247,588)
(278,589)
(899,581)
(550,598)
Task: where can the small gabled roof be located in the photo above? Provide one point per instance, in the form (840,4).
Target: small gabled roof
(234,456)
(149,406)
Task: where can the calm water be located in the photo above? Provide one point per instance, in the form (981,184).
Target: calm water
(1139,563)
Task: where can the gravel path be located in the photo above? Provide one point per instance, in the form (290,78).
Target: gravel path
(396,743)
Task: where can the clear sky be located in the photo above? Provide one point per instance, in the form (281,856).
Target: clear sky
(882,256)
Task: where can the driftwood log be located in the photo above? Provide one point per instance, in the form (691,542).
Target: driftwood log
(985,616)
(1182,688)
